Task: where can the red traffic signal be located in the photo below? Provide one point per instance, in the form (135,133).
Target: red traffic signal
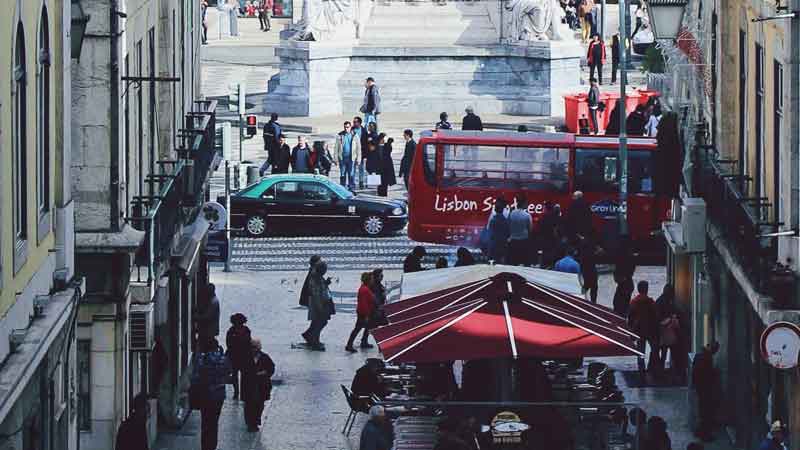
(252,125)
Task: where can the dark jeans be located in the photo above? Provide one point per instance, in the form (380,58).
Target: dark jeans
(593,118)
(653,359)
(205,32)
(252,413)
(361,324)
(315,329)
(614,69)
(209,424)
(517,252)
(599,68)
(622,297)
(263,20)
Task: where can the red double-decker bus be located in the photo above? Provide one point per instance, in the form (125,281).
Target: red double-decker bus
(457,175)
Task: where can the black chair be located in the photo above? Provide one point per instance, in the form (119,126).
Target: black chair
(357,405)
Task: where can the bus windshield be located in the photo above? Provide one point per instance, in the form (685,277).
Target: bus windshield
(596,170)
(501,167)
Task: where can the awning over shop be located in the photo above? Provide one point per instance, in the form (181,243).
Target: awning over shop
(505,315)
(186,254)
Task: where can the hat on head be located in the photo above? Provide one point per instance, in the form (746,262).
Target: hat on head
(776,426)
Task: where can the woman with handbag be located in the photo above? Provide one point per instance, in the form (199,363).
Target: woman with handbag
(364,310)
(320,304)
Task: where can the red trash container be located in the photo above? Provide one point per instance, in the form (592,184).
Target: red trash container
(646,94)
(575,107)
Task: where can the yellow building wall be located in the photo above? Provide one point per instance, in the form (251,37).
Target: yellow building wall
(29,13)
(771,36)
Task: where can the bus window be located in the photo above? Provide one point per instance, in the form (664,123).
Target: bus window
(429,163)
(531,168)
(598,171)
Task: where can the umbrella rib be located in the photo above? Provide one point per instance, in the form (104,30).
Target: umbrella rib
(556,295)
(465,296)
(441,296)
(454,311)
(510,328)
(590,305)
(613,341)
(550,308)
(435,332)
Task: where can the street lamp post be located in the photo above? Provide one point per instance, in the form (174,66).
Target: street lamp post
(623,138)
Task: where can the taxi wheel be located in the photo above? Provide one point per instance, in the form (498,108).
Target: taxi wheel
(373,225)
(256,226)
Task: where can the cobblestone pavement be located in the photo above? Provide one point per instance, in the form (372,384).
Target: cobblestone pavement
(308,410)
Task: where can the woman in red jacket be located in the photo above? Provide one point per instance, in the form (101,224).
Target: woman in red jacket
(364,309)
(596,57)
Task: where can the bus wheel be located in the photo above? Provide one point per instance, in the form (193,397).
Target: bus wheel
(256,226)
(373,225)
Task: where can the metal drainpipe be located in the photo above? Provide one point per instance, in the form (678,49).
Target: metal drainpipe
(115,117)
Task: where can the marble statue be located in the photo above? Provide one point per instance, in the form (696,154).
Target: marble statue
(536,20)
(323,18)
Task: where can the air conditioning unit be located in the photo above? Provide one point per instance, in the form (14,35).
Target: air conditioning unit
(140,321)
(693,223)
(40,302)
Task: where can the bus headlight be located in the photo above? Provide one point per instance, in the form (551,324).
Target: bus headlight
(397,211)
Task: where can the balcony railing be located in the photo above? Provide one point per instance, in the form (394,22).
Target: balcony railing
(743,220)
(179,190)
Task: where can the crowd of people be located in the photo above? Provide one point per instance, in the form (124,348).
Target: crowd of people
(642,121)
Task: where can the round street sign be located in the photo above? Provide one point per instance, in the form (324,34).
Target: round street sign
(215,214)
(780,345)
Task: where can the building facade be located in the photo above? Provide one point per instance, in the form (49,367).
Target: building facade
(38,293)
(733,81)
(143,147)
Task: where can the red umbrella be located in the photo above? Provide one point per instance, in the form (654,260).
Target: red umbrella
(502,316)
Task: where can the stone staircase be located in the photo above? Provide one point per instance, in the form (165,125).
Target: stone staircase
(429,23)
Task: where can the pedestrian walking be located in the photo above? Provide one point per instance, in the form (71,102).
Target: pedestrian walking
(301,156)
(377,433)
(413,261)
(584,14)
(471,122)
(264,10)
(520,224)
(669,324)
(657,437)
(320,304)
(211,371)
(704,380)
(360,133)
(498,231)
(304,293)
(596,57)
(348,154)
(371,106)
(776,438)
(281,158)
(579,219)
(238,342)
(132,432)
(593,100)
(614,58)
(364,309)
(271,134)
(207,318)
(388,177)
(233,16)
(549,235)
(643,320)
(624,268)
(408,156)
(464,257)
(587,258)
(204,18)
(256,384)
(443,124)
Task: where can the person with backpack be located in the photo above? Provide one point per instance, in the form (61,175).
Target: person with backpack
(256,384)
(238,342)
(132,432)
(210,373)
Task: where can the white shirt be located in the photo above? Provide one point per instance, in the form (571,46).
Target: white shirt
(652,125)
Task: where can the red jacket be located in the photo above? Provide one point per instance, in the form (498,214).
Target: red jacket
(366,301)
(590,58)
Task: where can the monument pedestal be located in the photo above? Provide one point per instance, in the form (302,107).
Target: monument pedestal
(527,78)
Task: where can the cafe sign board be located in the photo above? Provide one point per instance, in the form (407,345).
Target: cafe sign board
(780,345)
(507,428)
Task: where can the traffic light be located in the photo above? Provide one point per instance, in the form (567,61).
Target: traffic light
(236,98)
(252,125)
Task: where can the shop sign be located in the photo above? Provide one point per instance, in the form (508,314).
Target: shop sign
(507,428)
(780,345)
(216,249)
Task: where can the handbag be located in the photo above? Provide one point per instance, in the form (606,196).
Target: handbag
(331,306)
(373,180)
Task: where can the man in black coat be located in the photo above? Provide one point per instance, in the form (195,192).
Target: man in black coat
(408,156)
(271,134)
(579,218)
(256,385)
(471,121)
(281,157)
(366,382)
(413,262)
(132,433)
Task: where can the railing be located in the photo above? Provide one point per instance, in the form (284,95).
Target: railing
(742,219)
(180,191)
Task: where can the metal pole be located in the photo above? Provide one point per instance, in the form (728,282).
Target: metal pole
(603,20)
(228,213)
(241,135)
(623,139)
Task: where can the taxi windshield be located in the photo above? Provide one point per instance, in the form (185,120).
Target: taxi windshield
(339,190)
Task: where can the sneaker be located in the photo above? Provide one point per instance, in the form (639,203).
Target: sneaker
(365,345)
(351,349)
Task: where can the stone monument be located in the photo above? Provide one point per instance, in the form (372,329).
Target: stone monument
(427,56)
